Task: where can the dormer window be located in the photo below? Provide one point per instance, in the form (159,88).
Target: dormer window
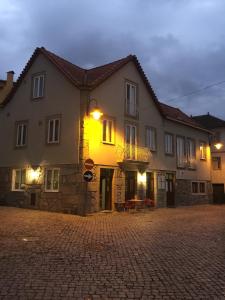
(131,99)
(38,85)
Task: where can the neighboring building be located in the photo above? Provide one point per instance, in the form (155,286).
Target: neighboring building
(141,148)
(6,86)
(217,126)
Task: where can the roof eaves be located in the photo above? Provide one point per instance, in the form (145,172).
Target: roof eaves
(189,124)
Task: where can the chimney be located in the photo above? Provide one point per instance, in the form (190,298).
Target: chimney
(9,81)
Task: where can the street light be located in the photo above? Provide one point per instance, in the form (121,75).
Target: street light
(95,111)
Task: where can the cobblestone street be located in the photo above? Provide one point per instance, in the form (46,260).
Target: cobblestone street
(162,254)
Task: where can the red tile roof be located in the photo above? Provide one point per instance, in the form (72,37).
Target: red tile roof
(175,114)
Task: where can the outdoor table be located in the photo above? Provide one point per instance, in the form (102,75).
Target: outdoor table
(138,203)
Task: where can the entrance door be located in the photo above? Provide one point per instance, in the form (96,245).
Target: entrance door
(218,193)
(170,190)
(130,185)
(106,176)
(150,185)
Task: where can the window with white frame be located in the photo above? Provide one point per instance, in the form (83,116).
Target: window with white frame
(52,180)
(168,143)
(191,155)
(181,157)
(202,150)
(198,187)
(21,134)
(130,141)
(53,130)
(150,138)
(38,83)
(108,131)
(131,99)
(18,179)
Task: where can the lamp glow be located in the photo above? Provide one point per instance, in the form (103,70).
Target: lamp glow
(218,146)
(142,178)
(96,114)
(34,174)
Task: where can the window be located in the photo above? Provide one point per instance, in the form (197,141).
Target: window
(108,131)
(131,99)
(194,187)
(161,181)
(52,180)
(168,143)
(130,141)
(202,187)
(151,138)
(191,154)
(216,163)
(18,179)
(21,134)
(198,187)
(202,150)
(53,131)
(181,158)
(38,86)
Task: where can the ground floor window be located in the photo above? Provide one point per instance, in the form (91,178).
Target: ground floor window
(18,179)
(198,187)
(52,180)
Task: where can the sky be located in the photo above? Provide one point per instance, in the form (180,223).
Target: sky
(179,43)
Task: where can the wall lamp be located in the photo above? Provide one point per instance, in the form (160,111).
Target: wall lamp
(94,110)
(218,146)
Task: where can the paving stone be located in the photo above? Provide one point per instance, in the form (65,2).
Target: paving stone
(162,254)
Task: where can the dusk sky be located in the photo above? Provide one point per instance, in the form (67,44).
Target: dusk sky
(179,43)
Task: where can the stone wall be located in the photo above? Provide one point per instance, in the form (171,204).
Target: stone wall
(184,196)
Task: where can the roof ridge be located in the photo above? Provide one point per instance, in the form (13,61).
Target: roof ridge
(65,60)
(115,61)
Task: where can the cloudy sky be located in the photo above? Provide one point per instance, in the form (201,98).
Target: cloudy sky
(179,43)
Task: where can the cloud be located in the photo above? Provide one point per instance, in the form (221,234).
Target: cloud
(179,43)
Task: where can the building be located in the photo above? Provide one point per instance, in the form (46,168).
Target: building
(141,148)
(217,126)
(6,86)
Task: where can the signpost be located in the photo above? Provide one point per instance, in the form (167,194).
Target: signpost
(88,176)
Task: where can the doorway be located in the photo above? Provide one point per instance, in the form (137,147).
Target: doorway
(218,193)
(170,190)
(106,176)
(150,186)
(130,185)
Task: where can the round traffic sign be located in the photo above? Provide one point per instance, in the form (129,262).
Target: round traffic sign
(89,164)
(88,176)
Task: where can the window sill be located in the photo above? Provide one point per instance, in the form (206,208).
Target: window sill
(108,143)
(202,159)
(17,190)
(169,154)
(51,191)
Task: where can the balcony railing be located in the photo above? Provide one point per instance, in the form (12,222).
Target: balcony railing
(142,154)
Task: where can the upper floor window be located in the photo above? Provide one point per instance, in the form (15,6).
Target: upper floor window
(130,141)
(202,150)
(191,156)
(168,143)
(21,134)
(38,83)
(216,163)
(108,131)
(52,180)
(18,179)
(53,130)
(150,138)
(131,99)
(181,158)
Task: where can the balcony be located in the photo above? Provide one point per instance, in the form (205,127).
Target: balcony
(133,154)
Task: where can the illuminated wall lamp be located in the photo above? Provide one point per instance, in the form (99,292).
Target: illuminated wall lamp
(95,112)
(218,146)
(142,178)
(34,174)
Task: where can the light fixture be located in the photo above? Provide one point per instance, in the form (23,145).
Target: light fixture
(218,146)
(142,178)
(95,112)
(34,174)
